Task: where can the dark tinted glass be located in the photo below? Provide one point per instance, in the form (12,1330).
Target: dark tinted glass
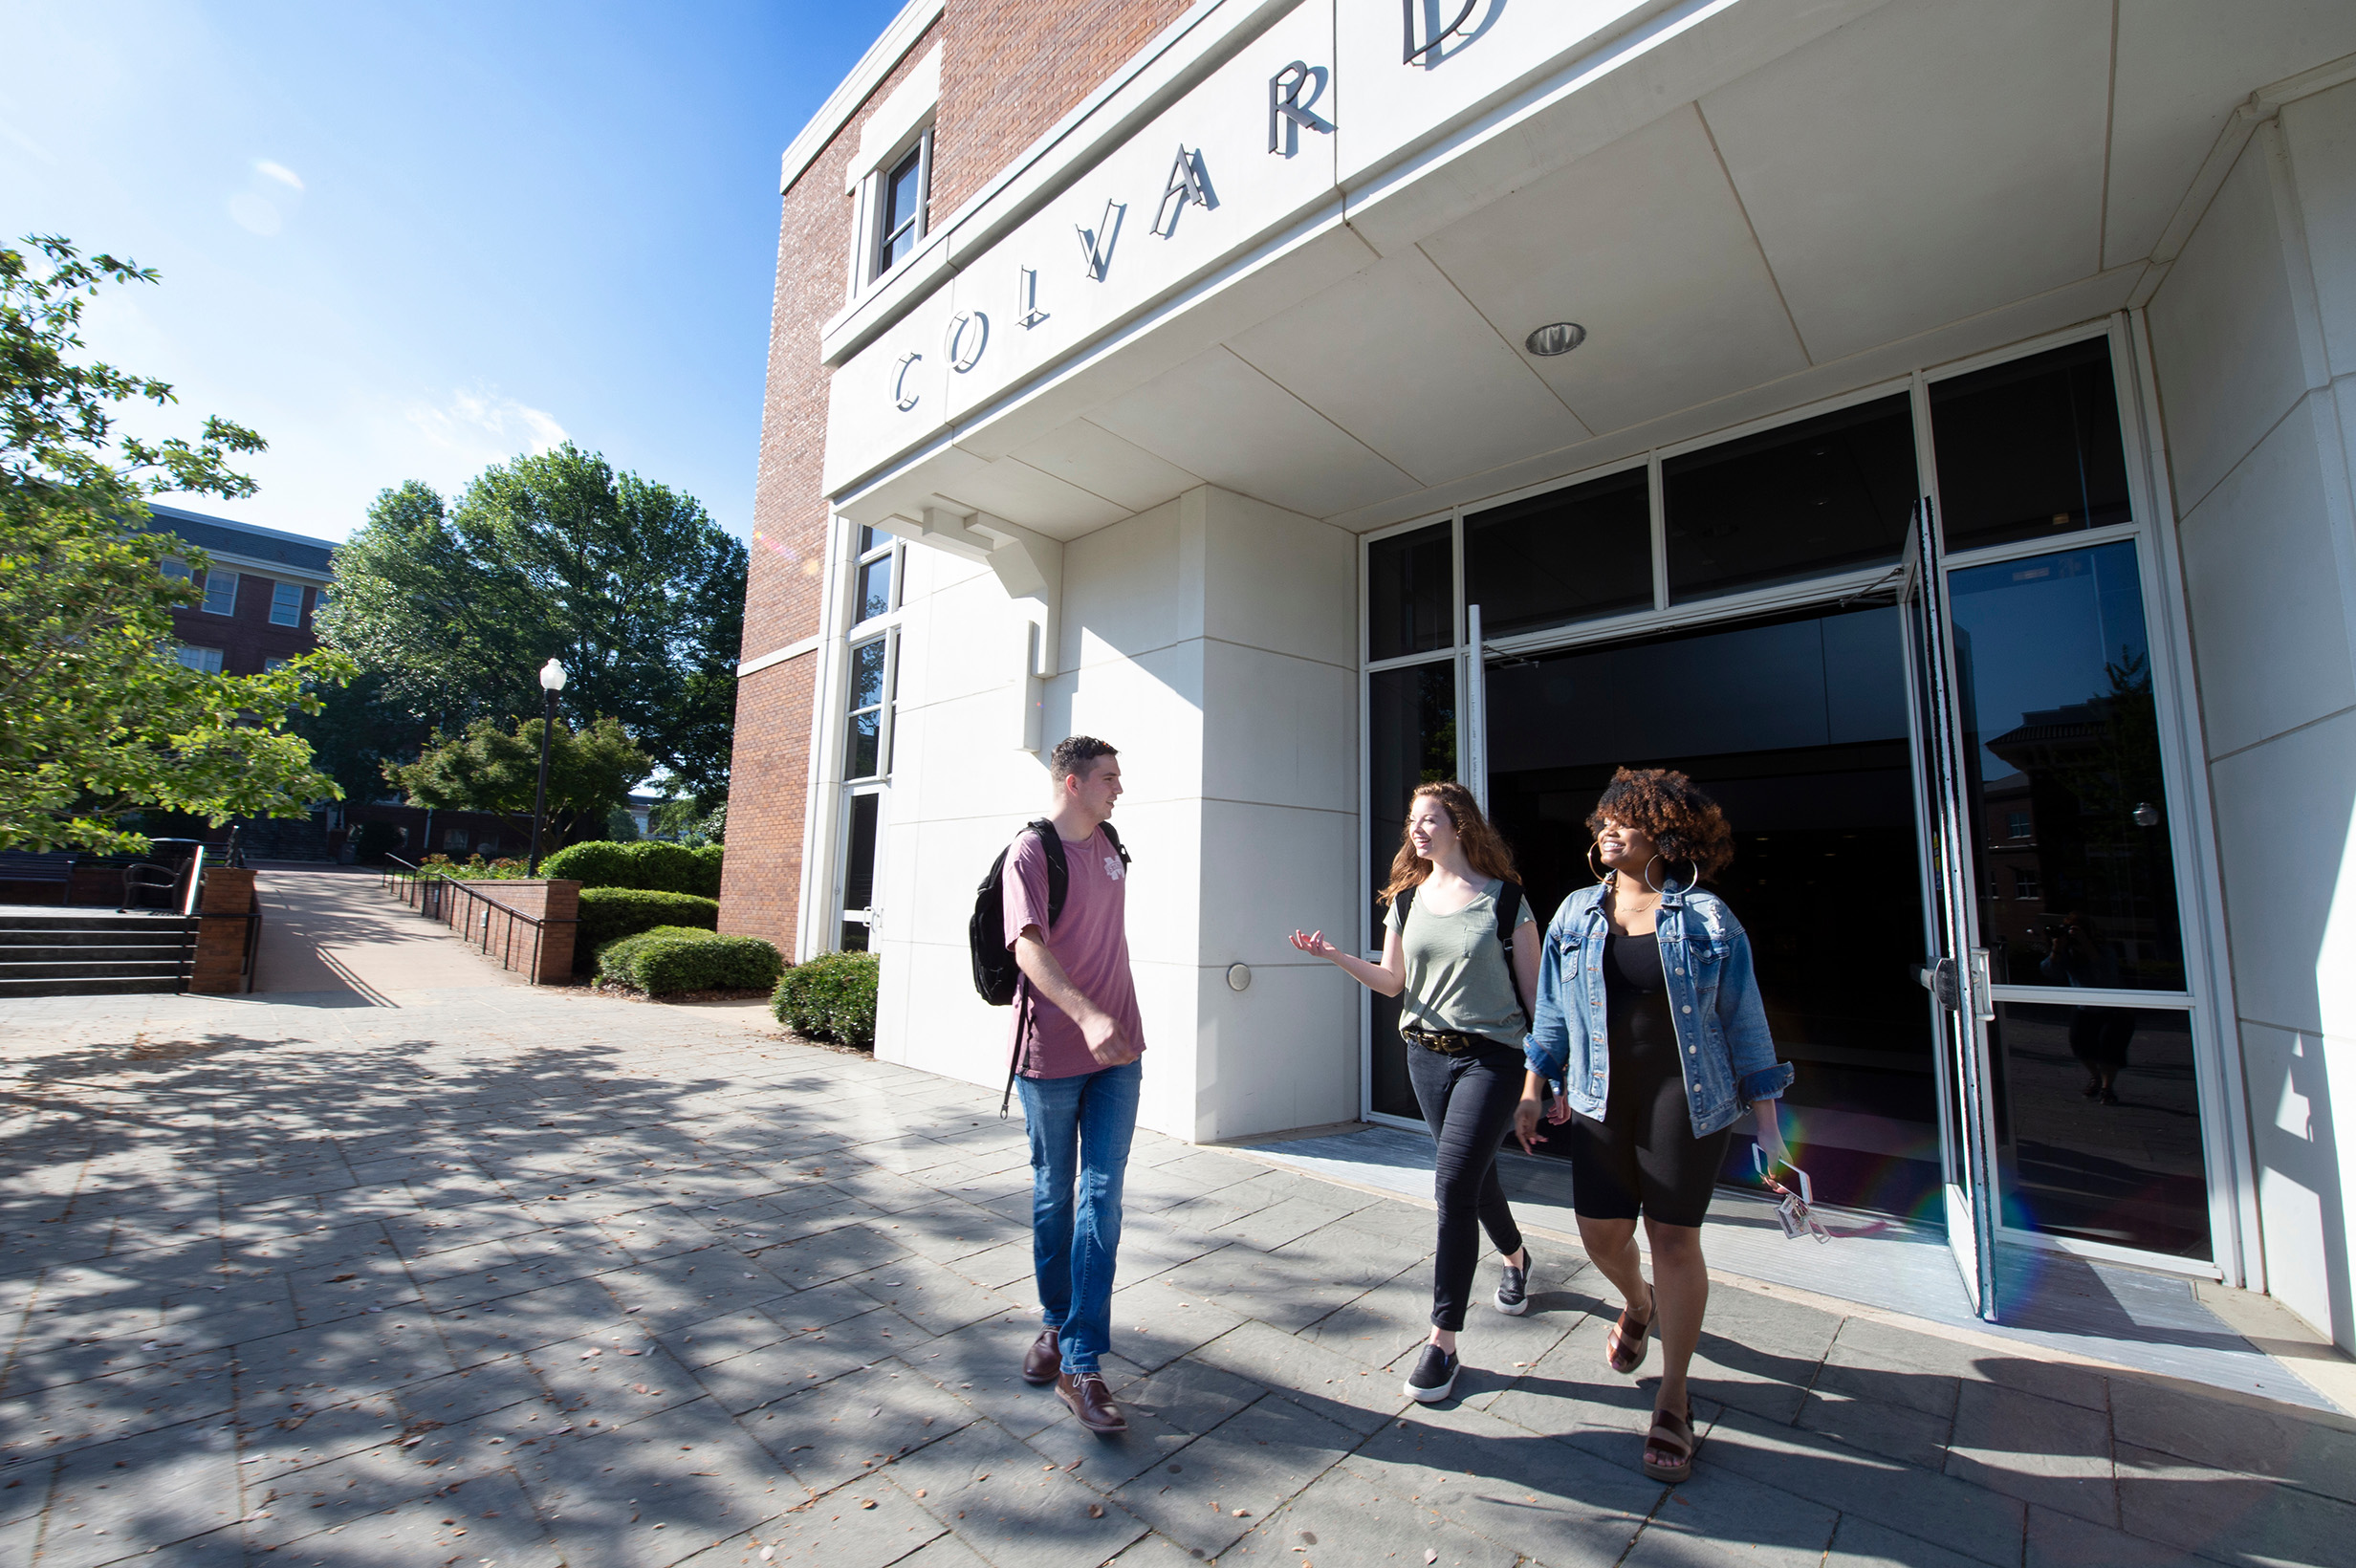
(1411,740)
(1410,592)
(859,854)
(1571,555)
(865,755)
(2030,449)
(874,588)
(2076,881)
(902,192)
(866,539)
(2098,1126)
(1799,501)
(854,937)
(867,674)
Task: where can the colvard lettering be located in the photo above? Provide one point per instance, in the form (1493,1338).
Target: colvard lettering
(1026,299)
(1287,114)
(1096,244)
(902,399)
(969,333)
(1189,182)
(1439,35)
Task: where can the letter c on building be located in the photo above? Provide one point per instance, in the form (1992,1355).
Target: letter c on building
(902,399)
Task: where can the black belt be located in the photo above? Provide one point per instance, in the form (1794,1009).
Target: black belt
(1448,1042)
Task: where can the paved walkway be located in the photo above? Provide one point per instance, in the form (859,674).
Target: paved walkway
(496,1276)
(330,934)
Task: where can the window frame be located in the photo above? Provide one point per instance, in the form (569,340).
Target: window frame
(876,262)
(882,707)
(209,661)
(280,588)
(228,579)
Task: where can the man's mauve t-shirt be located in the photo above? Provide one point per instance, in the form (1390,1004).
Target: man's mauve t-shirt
(1090,940)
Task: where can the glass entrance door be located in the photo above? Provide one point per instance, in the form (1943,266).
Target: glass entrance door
(1956,973)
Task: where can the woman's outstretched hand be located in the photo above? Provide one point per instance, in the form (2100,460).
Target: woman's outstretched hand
(1525,1125)
(1313,943)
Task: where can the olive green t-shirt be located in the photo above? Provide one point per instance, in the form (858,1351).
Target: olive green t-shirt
(1457,978)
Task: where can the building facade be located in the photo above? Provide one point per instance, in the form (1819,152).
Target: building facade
(1926,424)
(260,592)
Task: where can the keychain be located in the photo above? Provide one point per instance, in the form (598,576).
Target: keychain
(1797,1212)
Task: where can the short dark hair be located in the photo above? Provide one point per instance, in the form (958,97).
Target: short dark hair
(1076,754)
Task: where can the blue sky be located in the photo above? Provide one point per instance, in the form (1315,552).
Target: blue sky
(408,241)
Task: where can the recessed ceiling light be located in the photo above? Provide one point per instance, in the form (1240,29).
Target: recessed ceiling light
(1555,337)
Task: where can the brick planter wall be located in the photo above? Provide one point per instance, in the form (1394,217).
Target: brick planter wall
(222,930)
(510,938)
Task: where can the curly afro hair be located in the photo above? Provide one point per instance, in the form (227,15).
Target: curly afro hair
(1661,802)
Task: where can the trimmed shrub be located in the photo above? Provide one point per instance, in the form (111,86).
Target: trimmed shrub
(676,958)
(651,865)
(832,997)
(608,914)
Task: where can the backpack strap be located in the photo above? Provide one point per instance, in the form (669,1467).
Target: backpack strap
(1509,916)
(1405,903)
(1058,870)
(1119,848)
(1059,881)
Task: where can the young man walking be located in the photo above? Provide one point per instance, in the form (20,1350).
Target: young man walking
(1077,1041)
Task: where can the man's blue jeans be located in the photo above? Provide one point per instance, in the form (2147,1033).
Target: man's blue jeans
(1080,1128)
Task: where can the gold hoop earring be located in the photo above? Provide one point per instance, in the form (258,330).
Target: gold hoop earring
(1601,875)
(1691,883)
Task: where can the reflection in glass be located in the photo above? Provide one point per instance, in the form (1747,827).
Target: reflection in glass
(875,588)
(1390,1092)
(1412,593)
(865,753)
(867,674)
(859,853)
(1798,501)
(1569,555)
(2098,1126)
(2030,447)
(2072,862)
(854,937)
(1411,740)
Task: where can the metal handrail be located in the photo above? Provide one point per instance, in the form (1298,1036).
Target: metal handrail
(424,891)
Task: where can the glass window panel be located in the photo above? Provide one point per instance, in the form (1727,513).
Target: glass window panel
(221,593)
(865,753)
(902,196)
(1570,555)
(867,674)
(177,570)
(1412,593)
(2098,1126)
(859,853)
(206,660)
(2061,728)
(2030,449)
(286,604)
(854,937)
(1411,741)
(1795,502)
(874,588)
(867,538)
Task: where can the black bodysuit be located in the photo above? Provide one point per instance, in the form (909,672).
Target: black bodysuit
(1642,1156)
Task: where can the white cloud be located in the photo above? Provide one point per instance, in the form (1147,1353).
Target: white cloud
(485,427)
(254,214)
(279,173)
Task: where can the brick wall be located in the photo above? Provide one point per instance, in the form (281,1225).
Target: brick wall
(1010,69)
(247,639)
(1007,72)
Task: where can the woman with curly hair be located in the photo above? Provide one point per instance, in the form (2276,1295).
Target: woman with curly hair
(1649,1022)
(1455,914)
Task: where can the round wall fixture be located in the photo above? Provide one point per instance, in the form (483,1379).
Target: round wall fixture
(1555,337)
(1238,976)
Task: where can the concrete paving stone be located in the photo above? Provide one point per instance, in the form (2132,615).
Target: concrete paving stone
(650,1235)
(852,1248)
(1718,1516)
(1246,1281)
(51,1417)
(2233,1436)
(1861,1543)
(489,1520)
(114,1499)
(982,1365)
(1165,1412)
(1522,1492)
(617,1376)
(1009,1266)
(602,1495)
(1286,1220)
(713,1339)
(1381,1325)
(886,1191)
(1010,1506)
(934,1297)
(858,1422)
(467,1394)
(2040,1450)
(1160,1319)
(1896,1431)
(2228,1516)
(947,1230)
(835,1533)
(1343,1519)
(1212,1492)
(277,1440)
(1333,1386)
(1965,1519)
(2063,1540)
(335,1498)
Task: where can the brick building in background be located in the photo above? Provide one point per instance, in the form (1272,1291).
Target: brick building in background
(948,98)
(260,593)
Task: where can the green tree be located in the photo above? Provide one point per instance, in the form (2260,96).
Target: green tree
(97,718)
(591,772)
(628,582)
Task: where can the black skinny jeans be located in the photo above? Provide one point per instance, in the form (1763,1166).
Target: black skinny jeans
(1468,1101)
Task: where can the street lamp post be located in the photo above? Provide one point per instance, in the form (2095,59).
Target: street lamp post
(552,682)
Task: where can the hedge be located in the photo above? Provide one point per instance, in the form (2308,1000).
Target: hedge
(832,997)
(676,958)
(648,865)
(608,914)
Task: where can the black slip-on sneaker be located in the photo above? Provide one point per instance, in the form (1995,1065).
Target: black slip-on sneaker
(1435,1376)
(1514,1290)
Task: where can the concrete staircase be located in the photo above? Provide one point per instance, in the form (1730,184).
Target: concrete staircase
(91,952)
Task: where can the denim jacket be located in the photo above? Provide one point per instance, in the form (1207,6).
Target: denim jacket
(1705,959)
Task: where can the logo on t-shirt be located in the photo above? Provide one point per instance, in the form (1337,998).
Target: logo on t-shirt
(1112,867)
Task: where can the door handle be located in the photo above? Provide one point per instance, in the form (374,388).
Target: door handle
(1939,980)
(1983,987)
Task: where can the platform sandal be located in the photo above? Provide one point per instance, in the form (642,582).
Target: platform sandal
(1668,1448)
(1625,1347)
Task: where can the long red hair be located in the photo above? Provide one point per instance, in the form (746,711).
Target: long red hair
(1483,846)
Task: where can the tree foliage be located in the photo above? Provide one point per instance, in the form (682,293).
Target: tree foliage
(97,718)
(629,583)
(590,772)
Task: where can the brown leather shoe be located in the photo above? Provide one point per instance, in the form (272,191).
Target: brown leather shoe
(1092,1402)
(1044,1360)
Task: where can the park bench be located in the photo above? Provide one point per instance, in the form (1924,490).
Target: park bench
(16,867)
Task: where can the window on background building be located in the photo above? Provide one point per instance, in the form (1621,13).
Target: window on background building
(219,593)
(286,604)
(2025,885)
(175,569)
(206,660)
(454,841)
(900,203)
(275,661)
(873,583)
(2016,824)
(867,747)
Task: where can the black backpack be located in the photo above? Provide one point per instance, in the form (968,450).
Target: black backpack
(1509,911)
(996,975)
